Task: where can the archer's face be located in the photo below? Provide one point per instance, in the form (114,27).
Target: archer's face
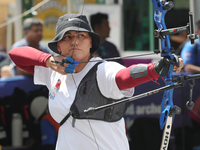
(76,45)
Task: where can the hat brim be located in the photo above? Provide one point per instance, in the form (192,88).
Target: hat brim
(95,39)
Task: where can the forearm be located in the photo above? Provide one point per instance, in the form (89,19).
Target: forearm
(127,78)
(192,68)
(27,57)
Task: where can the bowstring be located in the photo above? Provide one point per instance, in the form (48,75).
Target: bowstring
(79,83)
(116,58)
(113,58)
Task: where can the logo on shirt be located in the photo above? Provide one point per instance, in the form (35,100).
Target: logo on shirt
(55,90)
(52,95)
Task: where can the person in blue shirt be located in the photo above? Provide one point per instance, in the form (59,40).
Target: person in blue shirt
(32,28)
(191,54)
(100,25)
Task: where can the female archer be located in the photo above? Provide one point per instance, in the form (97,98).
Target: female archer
(75,84)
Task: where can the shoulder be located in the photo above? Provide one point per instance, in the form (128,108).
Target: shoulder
(111,64)
(109,67)
(106,79)
(22,42)
(188,46)
(104,65)
(107,43)
(46,49)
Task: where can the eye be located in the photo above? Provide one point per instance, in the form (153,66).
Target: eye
(81,35)
(66,37)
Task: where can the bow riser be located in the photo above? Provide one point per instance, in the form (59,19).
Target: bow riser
(159,17)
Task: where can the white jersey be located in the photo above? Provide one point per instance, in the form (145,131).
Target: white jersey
(87,134)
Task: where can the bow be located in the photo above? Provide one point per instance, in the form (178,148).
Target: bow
(160,9)
(168,110)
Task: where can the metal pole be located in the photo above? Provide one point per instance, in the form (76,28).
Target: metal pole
(151,26)
(9,37)
(18,23)
(69,6)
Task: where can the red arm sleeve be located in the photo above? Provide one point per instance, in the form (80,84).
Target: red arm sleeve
(125,81)
(28,57)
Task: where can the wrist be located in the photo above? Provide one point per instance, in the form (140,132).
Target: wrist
(49,61)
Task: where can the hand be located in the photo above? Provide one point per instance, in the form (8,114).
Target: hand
(178,69)
(70,68)
(64,68)
(162,66)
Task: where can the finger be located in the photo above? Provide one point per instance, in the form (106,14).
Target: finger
(69,70)
(65,64)
(70,66)
(168,61)
(71,60)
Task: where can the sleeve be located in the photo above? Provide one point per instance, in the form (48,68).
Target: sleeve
(27,57)
(187,53)
(48,133)
(135,75)
(106,74)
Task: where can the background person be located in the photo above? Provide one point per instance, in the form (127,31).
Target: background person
(100,25)
(191,54)
(32,28)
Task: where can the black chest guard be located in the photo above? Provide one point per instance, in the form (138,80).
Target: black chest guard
(89,95)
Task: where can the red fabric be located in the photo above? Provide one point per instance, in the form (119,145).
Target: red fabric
(50,119)
(27,57)
(26,111)
(195,112)
(3,115)
(125,81)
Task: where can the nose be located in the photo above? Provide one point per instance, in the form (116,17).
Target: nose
(108,27)
(74,40)
(39,33)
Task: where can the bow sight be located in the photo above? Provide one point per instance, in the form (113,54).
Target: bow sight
(160,33)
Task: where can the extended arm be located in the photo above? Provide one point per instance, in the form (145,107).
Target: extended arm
(27,57)
(141,73)
(135,75)
(192,68)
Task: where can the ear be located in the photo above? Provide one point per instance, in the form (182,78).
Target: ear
(91,43)
(96,28)
(25,32)
(58,47)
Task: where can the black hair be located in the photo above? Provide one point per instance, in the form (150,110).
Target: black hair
(29,22)
(96,19)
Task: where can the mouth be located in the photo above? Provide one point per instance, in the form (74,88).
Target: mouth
(74,48)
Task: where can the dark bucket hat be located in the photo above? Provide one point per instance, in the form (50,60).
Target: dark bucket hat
(75,22)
